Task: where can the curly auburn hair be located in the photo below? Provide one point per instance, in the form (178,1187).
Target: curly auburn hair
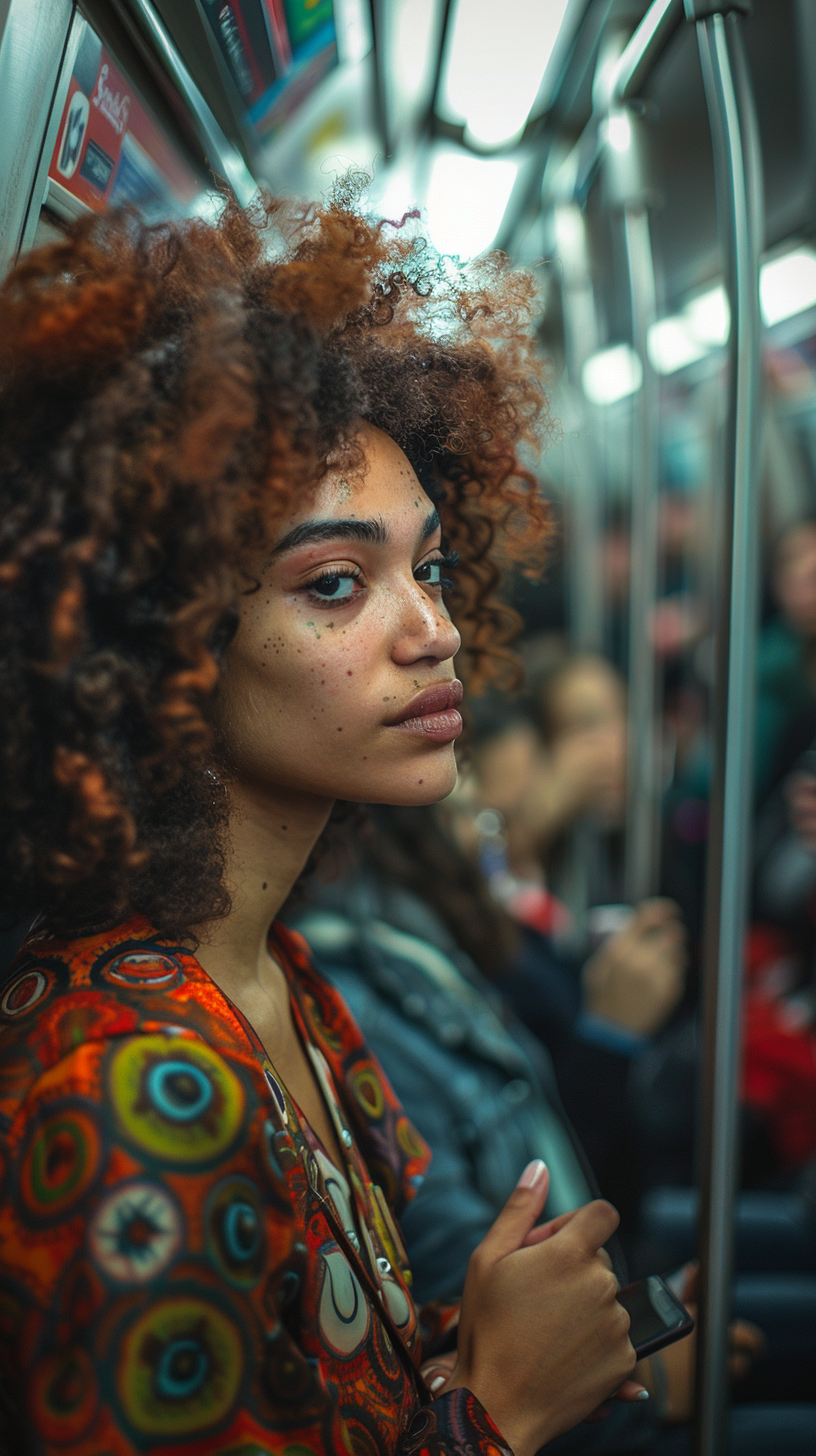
(166,394)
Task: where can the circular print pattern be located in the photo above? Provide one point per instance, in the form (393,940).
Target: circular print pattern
(343,1310)
(181,1364)
(235,1230)
(176,1098)
(64,1395)
(60,1162)
(144,969)
(408,1139)
(368,1091)
(25,991)
(135,1232)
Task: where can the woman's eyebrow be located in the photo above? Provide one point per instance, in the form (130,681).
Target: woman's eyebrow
(432,523)
(373,532)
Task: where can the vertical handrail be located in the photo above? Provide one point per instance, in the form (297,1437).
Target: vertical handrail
(585,605)
(586,504)
(380,88)
(642,844)
(738,180)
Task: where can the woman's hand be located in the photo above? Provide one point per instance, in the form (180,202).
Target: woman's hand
(542,1339)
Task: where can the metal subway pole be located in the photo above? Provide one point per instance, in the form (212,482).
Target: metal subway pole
(586,605)
(628,192)
(586,504)
(739,201)
(624,135)
(642,767)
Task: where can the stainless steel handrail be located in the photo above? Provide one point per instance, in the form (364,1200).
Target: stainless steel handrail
(654,32)
(223,157)
(642,843)
(739,199)
(621,83)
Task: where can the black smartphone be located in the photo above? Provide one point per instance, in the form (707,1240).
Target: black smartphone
(657,1316)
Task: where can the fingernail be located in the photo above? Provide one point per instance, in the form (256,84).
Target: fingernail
(532,1174)
(642,1395)
(436,1382)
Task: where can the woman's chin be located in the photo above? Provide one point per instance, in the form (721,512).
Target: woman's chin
(428,783)
(424,782)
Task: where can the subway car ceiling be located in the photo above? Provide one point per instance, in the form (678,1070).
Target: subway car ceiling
(376,87)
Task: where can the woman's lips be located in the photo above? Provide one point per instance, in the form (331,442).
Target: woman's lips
(434,713)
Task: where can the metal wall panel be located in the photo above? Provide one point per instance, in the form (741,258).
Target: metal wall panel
(33,37)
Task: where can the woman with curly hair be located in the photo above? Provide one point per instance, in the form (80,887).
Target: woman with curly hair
(238,464)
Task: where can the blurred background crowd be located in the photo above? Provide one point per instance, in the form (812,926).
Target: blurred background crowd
(528,993)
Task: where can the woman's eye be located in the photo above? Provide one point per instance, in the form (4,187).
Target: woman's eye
(432,573)
(333,587)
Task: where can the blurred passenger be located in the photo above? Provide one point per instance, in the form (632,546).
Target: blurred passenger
(616,556)
(580,708)
(563,764)
(780,1014)
(478,1085)
(786,661)
(417,878)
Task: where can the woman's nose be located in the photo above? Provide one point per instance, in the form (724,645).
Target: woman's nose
(424,629)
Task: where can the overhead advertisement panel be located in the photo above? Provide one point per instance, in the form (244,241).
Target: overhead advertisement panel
(110,148)
(276,51)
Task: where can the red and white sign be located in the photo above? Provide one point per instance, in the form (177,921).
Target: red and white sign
(110,149)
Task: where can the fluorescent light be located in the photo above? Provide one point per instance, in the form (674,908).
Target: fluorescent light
(708,318)
(466,201)
(671,345)
(393,193)
(495,63)
(618,131)
(787,285)
(612,374)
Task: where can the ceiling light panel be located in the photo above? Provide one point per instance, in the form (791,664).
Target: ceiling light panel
(495,61)
(672,346)
(612,374)
(466,200)
(787,285)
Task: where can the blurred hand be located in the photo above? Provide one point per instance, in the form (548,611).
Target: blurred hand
(589,767)
(801,795)
(637,977)
(585,770)
(746,1343)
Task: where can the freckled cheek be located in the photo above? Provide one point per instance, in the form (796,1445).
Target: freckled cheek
(314,663)
(299,671)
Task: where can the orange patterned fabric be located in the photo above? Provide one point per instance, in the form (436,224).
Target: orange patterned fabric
(173,1274)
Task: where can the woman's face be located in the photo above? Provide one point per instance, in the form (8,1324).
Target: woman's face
(795,578)
(324,686)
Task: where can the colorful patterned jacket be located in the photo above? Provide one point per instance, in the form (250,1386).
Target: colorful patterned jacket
(173,1274)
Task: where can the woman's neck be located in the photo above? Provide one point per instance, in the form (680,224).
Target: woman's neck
(270,840)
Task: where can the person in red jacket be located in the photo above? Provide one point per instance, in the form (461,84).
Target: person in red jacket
(237,463)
